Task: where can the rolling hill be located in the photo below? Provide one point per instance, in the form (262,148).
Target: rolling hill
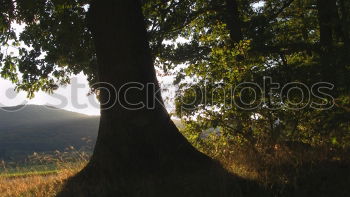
(36,128)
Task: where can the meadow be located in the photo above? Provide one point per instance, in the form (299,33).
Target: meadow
(41,175)
(284,172)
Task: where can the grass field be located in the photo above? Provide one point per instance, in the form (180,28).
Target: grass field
(36,181)
(281,174)
(324,181)
(41,175)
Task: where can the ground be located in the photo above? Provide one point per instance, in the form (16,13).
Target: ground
(283,178)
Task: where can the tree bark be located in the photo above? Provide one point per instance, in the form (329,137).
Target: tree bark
(233,21)
(138,152)
(327,21)
(345,22)
(131,133)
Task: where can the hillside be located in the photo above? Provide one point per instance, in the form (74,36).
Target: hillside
(43,129)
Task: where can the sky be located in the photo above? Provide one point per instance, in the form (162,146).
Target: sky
(73,97)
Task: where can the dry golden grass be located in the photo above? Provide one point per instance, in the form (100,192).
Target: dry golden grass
(44,185)
(283,172)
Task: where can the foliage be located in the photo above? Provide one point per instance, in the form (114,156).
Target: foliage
(265,43)
(54,43)
(213,46)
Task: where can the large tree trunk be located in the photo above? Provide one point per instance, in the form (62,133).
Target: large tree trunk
(136,137)
(139,152)
(326,13)
(327,20)
(344,7)
(233,21)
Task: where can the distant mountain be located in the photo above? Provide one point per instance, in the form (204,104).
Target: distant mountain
(33,128)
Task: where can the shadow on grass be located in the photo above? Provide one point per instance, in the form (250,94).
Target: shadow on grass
(323,179)
(209,180)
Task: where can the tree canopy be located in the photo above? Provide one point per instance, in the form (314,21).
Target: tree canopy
(224,43)
(294,43)
(248,72)
(55,42)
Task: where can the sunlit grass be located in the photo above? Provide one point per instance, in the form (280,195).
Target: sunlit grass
(42,176)
(35,184)
(281,172)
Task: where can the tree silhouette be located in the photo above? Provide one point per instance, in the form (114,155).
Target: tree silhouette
(139,150)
